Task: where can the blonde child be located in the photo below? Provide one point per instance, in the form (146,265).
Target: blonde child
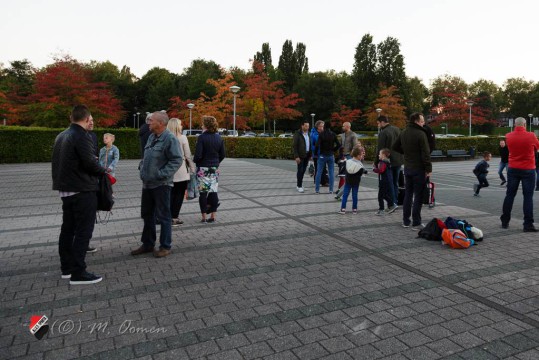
(109,154)
(353,171)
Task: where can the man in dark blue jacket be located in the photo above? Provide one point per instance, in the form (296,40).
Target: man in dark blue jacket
(75,175)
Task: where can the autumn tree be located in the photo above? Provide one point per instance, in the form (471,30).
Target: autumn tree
(16,85)
(455,111)
(63,84)
(264,99)
(446,84)
(345,115)
(390,102)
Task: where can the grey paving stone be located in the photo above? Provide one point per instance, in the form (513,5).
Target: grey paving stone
(310,351)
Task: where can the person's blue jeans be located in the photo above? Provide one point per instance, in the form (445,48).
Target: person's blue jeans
(347,189)
(322,161)
(394,191)
(500,170)
(514,178)
(155,203)
(414,182)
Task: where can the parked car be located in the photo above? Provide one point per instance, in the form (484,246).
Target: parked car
(286,135)
(362,135)
(453,135)
(248,134)
(194,132)
(265,135)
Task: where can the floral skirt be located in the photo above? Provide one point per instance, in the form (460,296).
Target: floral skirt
(208,179)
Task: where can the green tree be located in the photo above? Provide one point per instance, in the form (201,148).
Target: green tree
(490,95)
(364,72)
(390,69)
(318,91)
(415,98)
(516,99)
(447,84)
(193,81)
(155,89)
(292,63)
(264,57)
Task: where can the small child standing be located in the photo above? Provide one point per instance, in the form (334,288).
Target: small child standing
(353,171)
(109,154)
(481,171)
(341,164)
(385,180)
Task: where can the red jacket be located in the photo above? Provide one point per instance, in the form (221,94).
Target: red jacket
(522,146)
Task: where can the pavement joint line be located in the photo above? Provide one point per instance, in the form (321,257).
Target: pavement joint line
(289,315)
(182,250)
(413,270)
(77,300)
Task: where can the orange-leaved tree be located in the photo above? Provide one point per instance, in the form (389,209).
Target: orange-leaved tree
(390,103)
(454,110)
(265,100)
(63,84)
(345,115)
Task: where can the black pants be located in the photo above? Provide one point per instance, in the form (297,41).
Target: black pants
(384,193)
(205,199)
(78,222)
(302,167)
(176,197)
(483,183)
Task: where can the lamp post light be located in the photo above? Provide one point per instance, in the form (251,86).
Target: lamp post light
(470,104)
(312,122)
(530,116)
(235,90)
(134,120)
(190,106)
(138,120)
(378,110)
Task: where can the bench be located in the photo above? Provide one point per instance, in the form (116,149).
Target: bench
(457,153)
(437,154)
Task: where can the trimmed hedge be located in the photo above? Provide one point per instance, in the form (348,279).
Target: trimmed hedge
(23,145)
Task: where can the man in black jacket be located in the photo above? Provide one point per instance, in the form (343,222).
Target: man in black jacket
(414,144)
(387,137)
(504,161)
(144,133)
(302,152)
(74,175)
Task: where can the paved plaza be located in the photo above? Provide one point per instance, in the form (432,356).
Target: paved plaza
(280,275)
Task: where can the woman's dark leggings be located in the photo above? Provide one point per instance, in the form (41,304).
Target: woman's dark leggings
(206,199)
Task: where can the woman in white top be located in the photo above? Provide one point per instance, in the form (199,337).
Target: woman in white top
(182,176)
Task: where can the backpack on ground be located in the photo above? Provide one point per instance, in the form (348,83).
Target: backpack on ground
(433,230)
(105,201)
(456,239)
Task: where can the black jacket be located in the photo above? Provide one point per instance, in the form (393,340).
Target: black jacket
(299,146)
(74,168)
(328,143)
(143,133)
(504,154)
(387,137)
(210,150)
(413,143)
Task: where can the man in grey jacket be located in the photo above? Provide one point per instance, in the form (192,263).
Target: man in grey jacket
(162,158)
(387,137)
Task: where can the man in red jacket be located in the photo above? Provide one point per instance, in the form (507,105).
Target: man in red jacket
(522,147)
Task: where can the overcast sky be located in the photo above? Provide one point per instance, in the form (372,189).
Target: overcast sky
(473,39)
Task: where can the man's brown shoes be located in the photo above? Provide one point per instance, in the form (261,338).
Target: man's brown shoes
(141,250)
(161,253)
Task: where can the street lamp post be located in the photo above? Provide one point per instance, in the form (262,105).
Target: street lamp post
(312,122)
(134,120)
(138,120)
(530,116)
(470,104)
(190,106)
(378,110)
(235,90)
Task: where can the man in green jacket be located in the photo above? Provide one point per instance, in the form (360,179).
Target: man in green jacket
(387,137)
(413,143)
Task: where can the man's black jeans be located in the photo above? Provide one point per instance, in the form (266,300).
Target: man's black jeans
(77,228)
(302,167)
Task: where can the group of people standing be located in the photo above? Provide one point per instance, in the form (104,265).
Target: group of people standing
(165,171)
(412,147)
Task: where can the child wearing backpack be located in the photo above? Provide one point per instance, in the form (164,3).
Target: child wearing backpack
(385,180)
(353,171)
(481,171)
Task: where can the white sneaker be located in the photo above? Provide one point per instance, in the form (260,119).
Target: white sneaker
(300,189)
